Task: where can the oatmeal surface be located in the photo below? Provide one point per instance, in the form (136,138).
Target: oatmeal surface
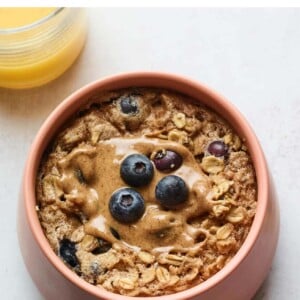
(167,248)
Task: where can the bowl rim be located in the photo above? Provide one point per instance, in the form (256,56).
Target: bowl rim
(39,145)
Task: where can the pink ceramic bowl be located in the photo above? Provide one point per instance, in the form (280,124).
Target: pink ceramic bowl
(238,280)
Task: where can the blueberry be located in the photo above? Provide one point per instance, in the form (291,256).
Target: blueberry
(129,105)
(126,205)
(67,251)
(217,148)
(171,191)
(136,170)
(167,160)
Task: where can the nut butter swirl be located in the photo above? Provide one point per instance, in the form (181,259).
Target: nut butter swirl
(158,229)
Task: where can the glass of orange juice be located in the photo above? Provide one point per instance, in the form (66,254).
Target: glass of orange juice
(37,44)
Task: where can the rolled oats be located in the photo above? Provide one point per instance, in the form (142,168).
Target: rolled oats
(78,235)
(173,280)
(163,275)
(213,165)
(220,210)
(233,140)
(224,232)
(225,246)
(237,144)
(170,259)
(192,125)
(51,190)
(236,215)
(178,136)
(108,260)
(179,120)
(73,136)
(228,138)
(102,132)
(229,201)
(146,257)
(191,274)
(148,275)
(107,284)
(222,188)
(89,243)
(174,270)
(213,229)
(220,262)
(126,283)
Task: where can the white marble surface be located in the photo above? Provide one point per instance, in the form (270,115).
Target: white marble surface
(249,55)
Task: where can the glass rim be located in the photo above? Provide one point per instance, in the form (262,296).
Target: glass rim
(33,25)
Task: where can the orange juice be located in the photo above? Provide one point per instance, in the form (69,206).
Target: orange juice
(38,44)
(12,17)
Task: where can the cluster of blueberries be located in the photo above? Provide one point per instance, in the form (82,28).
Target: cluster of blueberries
(127,204)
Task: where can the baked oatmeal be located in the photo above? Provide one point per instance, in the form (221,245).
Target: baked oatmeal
(146,192)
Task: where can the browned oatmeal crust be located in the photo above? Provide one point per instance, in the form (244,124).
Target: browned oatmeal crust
(81,170)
